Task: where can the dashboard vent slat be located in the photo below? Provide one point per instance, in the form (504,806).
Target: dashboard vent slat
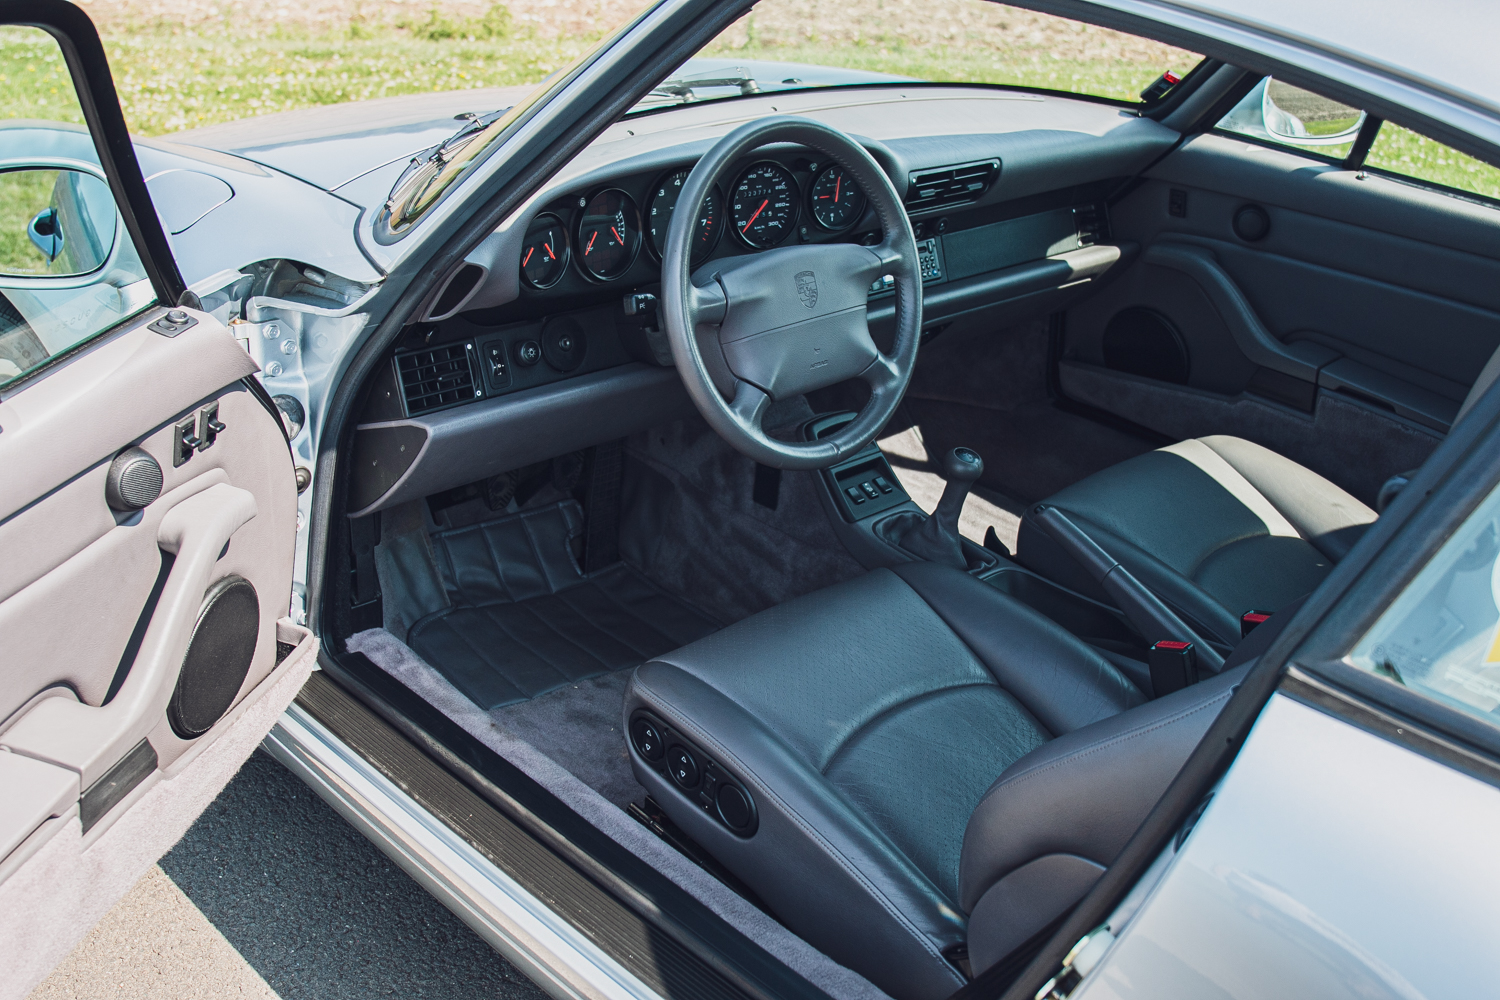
(956,185)
(435,377)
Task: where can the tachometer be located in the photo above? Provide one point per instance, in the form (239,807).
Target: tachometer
(706,230)
(609,235)
(544,258)
(837,202)
(763,205)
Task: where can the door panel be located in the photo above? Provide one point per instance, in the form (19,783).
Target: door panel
(1385,297)
(101,606)
(147,527)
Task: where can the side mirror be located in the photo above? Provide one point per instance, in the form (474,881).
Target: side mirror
(55,222)
(1284,113)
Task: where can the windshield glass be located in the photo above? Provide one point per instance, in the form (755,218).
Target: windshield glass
(800,44)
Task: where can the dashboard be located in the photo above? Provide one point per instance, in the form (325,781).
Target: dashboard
(1007,194)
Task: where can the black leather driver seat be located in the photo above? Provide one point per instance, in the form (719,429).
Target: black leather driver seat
(1214,526)
(932,766)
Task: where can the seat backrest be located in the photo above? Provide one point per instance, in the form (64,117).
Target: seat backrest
(1047,829)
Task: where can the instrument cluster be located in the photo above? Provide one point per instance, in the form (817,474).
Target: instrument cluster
(599,236)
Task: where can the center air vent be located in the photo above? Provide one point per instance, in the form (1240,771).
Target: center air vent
(955,185)
(435,377)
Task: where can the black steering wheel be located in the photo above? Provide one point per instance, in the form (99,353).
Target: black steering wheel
(746,331)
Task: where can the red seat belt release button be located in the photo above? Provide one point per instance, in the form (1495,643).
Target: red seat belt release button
(1174,665)
(1250,619)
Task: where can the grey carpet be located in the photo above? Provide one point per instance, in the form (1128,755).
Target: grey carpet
(986,389)
(525,620)
(690,523)
(398,660)
(579,727)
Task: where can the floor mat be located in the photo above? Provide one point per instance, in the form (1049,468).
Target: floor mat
(526,620)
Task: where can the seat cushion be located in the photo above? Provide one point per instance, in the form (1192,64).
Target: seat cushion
(1215,526)
(867,721)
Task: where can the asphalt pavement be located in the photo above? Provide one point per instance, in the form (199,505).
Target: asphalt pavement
(300,898)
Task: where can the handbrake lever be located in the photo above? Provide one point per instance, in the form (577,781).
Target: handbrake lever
(1153,619)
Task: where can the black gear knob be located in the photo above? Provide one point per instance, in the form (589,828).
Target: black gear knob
(963,465)
(937,537)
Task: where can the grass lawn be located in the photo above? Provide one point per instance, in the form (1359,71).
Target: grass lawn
(182,68)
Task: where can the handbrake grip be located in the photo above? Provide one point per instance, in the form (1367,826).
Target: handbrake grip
(1152,618)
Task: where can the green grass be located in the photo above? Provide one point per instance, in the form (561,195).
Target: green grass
(170,79)
(1404,152)
(23,193)
(958,64)
(34,81)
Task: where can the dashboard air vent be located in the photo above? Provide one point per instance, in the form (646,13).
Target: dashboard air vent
(955,185)
(435,377)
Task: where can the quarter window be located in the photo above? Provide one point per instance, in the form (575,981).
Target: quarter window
(1408,154)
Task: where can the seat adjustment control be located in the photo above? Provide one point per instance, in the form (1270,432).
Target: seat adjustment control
(683,766)
(647,739)
(696,780)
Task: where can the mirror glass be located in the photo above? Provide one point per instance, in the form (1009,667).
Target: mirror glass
(68,270)
(54,222)
(1305,118)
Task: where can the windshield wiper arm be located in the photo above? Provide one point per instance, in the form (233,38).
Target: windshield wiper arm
(685,88)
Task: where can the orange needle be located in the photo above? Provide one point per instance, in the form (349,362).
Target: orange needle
(550,252)
(525,260)
(592,238)
(755,216)
(617,235)
(836,186)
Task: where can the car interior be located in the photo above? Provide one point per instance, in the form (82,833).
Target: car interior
(887,655)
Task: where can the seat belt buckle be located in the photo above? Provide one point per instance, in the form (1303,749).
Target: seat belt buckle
(1250,619)
(1174,665)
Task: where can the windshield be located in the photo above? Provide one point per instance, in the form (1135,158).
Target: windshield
(802,44)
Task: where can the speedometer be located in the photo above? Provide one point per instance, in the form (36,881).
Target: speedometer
(706,229)
(763,205)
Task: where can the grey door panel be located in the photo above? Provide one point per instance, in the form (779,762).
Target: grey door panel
(1371,291)
(77,581)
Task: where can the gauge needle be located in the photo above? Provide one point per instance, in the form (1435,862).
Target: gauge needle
(837,184)
(618,237)
(550,252)
(592,238)
(527,259)
(755,216)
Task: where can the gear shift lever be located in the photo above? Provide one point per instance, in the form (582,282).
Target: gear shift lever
(937,538)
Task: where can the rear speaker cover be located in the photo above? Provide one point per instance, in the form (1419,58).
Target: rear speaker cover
(1141,341)
(218,657)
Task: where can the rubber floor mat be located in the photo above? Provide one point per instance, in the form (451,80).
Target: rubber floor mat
(526,620)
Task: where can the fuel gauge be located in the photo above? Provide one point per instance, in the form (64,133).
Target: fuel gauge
(544,258)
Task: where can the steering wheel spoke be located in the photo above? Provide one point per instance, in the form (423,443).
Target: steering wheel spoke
(882,377)
(706,303)
(749,404)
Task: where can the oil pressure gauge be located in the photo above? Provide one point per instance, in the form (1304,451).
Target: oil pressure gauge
(544,258)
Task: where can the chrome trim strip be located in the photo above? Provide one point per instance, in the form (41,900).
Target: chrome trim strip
(534,938)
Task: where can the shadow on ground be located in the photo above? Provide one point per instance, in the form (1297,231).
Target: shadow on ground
(317,910)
